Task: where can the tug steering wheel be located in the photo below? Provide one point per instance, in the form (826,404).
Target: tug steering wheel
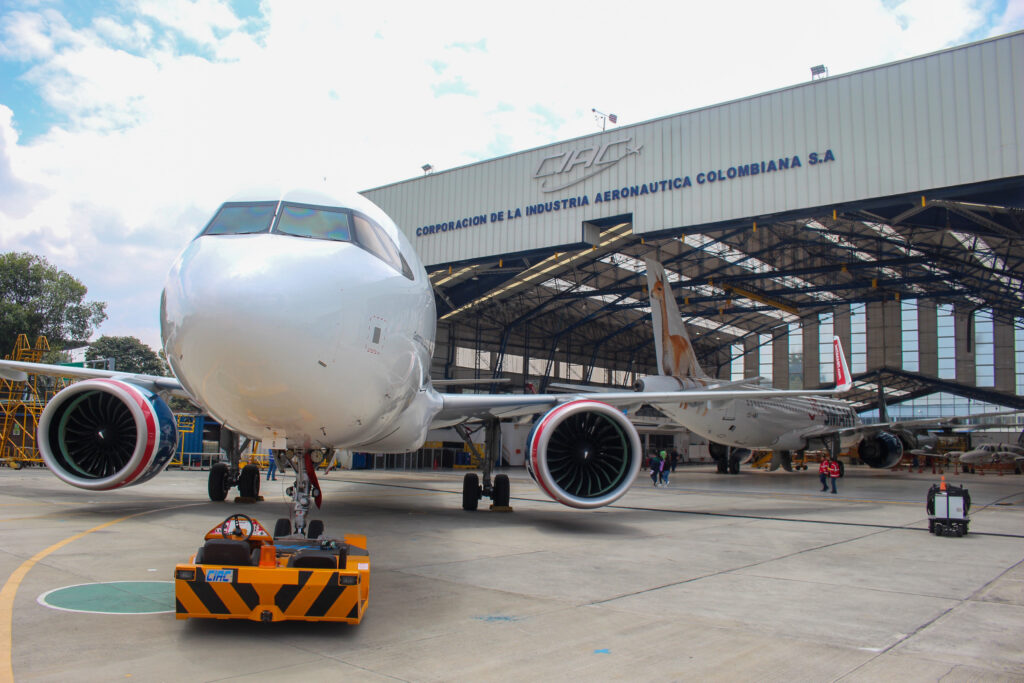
(237,532)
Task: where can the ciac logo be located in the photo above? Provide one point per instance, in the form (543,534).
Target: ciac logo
(220,575)
(565,169)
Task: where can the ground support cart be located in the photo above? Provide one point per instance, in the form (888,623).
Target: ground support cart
(947,510)
(242,572)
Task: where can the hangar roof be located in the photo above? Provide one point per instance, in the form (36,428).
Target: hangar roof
(964,247)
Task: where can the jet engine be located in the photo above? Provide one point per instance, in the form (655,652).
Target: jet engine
(102,434)
(584,453)
(880,451)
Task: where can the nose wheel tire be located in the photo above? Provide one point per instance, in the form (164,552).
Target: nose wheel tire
(470,491)
(315,529)
(283,527)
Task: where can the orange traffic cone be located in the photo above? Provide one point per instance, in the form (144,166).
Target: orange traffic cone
(942,484)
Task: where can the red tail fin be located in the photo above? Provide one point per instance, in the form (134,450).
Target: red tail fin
(842,370)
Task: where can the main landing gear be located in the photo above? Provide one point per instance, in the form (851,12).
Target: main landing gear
(783,459)
(224,475)
(472,491)
(727,458)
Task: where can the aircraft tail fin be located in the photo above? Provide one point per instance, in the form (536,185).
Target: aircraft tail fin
(675,353)
(842,370)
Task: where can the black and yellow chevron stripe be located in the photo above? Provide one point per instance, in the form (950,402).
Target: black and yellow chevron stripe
(272,594)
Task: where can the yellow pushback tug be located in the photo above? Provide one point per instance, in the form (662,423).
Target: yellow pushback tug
(242,572)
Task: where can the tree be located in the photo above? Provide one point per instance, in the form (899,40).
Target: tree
(129,354)
(38,298)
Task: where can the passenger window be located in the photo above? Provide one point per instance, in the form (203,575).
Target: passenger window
(371,237)
(241,219)
(318,223)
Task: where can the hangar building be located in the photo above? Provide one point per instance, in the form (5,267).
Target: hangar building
(883,205)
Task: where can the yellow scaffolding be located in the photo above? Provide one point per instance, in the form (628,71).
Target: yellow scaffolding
(21,404)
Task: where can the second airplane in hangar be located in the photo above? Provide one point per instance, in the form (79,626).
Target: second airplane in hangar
(775,420)
(307,322)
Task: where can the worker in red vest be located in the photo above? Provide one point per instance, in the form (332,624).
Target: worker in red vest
(823,474)
(833,472)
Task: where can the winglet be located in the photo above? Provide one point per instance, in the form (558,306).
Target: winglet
(842,370)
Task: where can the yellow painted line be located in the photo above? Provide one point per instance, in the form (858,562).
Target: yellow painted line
(10,589)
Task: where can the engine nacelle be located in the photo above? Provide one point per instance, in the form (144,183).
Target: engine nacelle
(584,454)
(658,383)
(883,450)
(103,434)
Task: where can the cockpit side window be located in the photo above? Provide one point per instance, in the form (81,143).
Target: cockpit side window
(314,221)
(241,219)
(372,237)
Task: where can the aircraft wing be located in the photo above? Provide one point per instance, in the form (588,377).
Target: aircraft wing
(923,423)
(18,371)
(458,408)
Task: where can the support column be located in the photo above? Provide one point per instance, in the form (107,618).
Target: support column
(751,357)
(811,331)
(963,326)
(1006,362)
(927,339)
(841,327)
(780,358)
(884,334)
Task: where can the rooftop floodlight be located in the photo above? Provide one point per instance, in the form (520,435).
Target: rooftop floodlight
(604,118)
(818,72)
(427,168)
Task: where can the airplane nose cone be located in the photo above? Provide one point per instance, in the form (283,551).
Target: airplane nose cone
(260,328)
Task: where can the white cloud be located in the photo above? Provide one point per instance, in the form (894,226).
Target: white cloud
(168,108)
(25,36)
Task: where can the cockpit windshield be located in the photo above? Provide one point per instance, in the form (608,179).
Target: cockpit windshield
(316,222)
(242,219)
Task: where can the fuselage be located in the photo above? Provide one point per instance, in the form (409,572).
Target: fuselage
(305,316)
(993,453)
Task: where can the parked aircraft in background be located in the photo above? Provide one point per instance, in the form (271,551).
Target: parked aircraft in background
(994,454)
(308,323)
(775,421)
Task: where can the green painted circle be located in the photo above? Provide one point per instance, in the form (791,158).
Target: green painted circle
(114,597)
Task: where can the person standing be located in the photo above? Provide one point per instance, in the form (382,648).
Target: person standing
(655,464)
(823,473)
(271,466)
(833,472)
(666,467)
(674,458)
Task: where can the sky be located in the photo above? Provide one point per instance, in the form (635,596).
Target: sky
(125,123)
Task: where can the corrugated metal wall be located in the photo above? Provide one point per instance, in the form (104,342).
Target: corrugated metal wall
(946,119)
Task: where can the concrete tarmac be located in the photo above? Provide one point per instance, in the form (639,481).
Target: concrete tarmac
(752,577)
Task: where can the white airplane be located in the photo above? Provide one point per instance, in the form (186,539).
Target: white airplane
(780,421)
(307,322)
(994,454)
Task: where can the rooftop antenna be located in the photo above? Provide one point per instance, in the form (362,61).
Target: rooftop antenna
(820,71)
(604,118)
